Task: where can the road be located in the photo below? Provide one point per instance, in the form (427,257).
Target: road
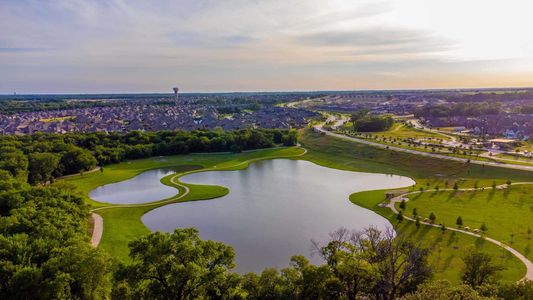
(422,153)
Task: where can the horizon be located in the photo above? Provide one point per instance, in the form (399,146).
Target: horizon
(510,89)
(100,47)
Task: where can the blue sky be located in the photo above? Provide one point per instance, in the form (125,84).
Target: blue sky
(75,46)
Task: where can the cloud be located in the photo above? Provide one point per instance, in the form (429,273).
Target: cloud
(141,45)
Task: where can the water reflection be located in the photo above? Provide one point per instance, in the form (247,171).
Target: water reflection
(275,208)
(145,187)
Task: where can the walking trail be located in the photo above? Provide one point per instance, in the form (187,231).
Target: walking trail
(99,221)
(522,258)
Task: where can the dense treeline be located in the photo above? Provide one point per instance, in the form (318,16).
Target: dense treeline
(459,109)
(371,123)
(15,106)
(368,263)
(44,244)
(41,157)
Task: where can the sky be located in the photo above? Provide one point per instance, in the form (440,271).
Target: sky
(131,46)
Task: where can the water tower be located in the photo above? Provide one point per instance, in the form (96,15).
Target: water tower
(176,90)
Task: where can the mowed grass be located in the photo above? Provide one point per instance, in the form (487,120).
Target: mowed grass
(507,213)
(447,248)
(400,130)
(346,155)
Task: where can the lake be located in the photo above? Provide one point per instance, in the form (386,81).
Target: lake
(145,187)
(275,208)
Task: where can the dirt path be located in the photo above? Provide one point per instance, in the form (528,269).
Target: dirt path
(522,258)
(98,229)
(77,174)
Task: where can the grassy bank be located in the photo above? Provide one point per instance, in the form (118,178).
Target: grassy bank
(448,247)
(122,223)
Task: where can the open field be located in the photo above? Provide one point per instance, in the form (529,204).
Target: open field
(507,213)
(400,130)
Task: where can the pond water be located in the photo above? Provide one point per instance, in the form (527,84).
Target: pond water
(275,208)
(145,187)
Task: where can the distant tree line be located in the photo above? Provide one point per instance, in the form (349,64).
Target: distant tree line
(41,157)
(238,108)
(491,97)
(459,109)
(370,123)
(16,106)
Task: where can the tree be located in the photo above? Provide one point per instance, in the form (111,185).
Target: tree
(76,160)
(177,265)
(49,256)
(15,162)
(41,166)
(399,216)
(459,222)
(508,182)
(483,227)
(417,222)
(350,261)
(403,204)
(415,213)
(478,268)
(401,266)
(443,290)
(455,186)
(432,217)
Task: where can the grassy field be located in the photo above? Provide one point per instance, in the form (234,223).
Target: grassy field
(446,248)
(507,213)
(402,131)
(428,172)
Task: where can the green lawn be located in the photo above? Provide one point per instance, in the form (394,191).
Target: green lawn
(401,131)
(507,213)
(428,173)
